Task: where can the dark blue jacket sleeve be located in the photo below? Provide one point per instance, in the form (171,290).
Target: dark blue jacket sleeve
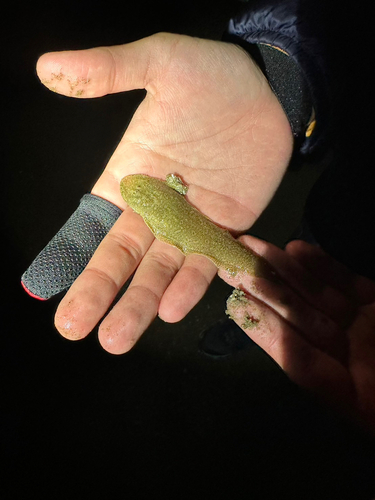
(301,29)
(331,42)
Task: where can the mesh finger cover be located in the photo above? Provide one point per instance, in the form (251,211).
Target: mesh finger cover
(67,254)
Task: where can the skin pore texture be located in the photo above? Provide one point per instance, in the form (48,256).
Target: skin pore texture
(172,219)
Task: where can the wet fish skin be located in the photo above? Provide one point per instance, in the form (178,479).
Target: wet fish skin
(173,220)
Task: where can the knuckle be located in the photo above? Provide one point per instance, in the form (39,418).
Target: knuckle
(126,245)
(163,262)
(141,295)
(103,276)
(112,65)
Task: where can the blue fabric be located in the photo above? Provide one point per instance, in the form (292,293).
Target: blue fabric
(67,254)
(332,42)
(296,27)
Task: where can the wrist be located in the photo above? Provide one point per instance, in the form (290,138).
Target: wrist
(288,84)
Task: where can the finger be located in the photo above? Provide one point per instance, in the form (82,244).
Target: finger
(187,288)
(337,275)
(66,255)
(104,70)
(303,363)
(94,290)
(312,323)
(138,307)
(305,282)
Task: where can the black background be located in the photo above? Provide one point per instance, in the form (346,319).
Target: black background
(162,420)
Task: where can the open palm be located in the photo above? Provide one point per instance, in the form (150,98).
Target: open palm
(210,116)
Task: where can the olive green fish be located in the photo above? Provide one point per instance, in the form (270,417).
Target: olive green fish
(173,220)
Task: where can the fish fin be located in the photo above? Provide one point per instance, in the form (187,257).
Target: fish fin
(175,182)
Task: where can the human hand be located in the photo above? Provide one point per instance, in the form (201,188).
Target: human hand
(209,116)
(317,321)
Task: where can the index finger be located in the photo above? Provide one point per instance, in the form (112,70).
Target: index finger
(112,264)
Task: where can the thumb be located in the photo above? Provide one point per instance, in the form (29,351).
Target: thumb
(105,70)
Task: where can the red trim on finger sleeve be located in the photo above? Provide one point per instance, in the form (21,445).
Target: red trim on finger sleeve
(31,293)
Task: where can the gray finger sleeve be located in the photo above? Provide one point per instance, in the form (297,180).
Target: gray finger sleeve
(67,254)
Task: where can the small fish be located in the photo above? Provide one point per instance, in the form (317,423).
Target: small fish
(173,220)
